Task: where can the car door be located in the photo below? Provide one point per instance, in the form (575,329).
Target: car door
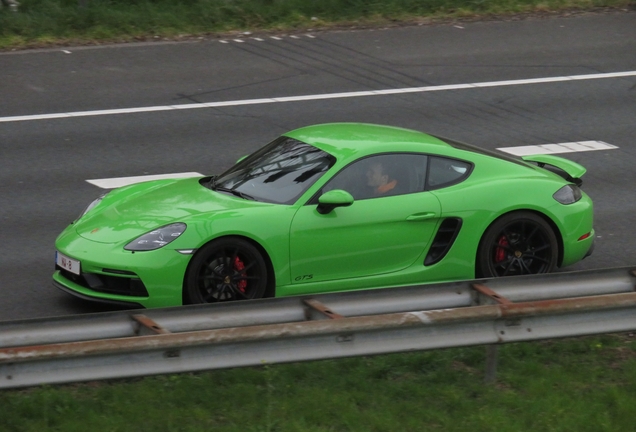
(383,230)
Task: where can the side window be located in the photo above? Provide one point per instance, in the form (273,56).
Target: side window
(446,172)
(382,175)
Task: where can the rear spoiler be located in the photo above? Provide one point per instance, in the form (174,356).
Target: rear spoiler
(569,170)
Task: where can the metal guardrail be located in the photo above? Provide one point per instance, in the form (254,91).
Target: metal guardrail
(194,338)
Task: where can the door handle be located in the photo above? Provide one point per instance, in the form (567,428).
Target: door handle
(420,216)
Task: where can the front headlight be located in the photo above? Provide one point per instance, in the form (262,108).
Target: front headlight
(568,194)
(157,238)
(93,204)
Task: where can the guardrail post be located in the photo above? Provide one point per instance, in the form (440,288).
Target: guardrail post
(491,363)
(492,297)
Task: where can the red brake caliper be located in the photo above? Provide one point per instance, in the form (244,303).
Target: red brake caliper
(500,253)
(239,266)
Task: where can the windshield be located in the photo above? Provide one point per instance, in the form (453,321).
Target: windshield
(278,173)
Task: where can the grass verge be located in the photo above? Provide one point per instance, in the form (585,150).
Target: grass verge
(46,22)
(582,384)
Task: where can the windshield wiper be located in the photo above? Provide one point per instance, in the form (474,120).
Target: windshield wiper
(208,182)
(234,192)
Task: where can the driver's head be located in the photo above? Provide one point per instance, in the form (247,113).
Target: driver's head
(376,176)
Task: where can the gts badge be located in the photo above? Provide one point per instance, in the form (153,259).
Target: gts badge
(303,278)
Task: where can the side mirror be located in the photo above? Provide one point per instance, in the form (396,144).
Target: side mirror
(332,199)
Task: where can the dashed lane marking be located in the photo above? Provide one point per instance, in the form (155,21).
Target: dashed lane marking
(112,183)
(258,39)
(568,147)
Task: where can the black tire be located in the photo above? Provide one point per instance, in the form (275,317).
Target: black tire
(518,243)
(226,269)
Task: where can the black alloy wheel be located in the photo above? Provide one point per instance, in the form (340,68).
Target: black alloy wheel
(518,243)
(226,269)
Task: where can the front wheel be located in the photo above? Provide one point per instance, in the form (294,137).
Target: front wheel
(518,243)
(226,269)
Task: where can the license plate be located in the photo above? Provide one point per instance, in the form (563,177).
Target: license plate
(68,264)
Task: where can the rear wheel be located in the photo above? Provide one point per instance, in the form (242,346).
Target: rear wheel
(518,243)
(226,269)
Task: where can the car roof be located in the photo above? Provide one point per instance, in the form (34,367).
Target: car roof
(345,140)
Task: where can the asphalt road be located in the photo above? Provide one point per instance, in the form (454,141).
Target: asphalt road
(45,162)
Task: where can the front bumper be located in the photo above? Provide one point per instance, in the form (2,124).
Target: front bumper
(111,274)
(63,284)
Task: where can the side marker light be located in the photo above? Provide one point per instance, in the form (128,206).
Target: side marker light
(584,236)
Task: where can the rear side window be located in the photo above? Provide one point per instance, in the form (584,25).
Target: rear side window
(445,172)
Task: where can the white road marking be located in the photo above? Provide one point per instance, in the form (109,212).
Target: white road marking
(568,147)
(316,96)
(111,183)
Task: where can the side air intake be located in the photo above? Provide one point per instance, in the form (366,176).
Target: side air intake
(444,239)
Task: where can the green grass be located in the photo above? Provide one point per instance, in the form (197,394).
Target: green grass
(47,22)
(579,385)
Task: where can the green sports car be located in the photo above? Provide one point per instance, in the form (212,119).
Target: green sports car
(325,208)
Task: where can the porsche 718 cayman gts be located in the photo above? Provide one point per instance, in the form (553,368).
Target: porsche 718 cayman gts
(327,208)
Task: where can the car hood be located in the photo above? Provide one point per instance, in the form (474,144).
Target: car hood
(126,213)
